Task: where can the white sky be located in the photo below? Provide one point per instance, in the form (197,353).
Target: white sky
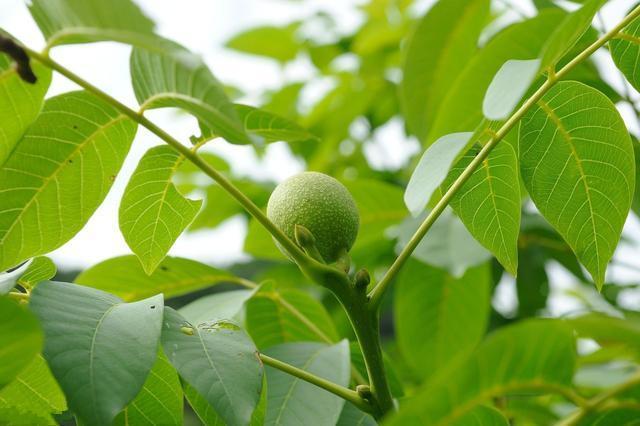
(203,26)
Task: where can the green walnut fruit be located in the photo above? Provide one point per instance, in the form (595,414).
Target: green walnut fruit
(322,205)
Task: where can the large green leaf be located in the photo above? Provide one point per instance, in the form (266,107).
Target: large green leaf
(577,163)
(273,42)
(613,416)
(567,34)
(608,331)
(20,102)
(160,402)
(274,317)
(292,401)
(153,213)
(124,277)
(34,391)
(489,202)
(636,198)
(625,48)
(20,339)
(180,79)
(439,319)
(439,49)
(461,108)
(84,21)
(217,359)
(99,349)
(59,174)
(432,169)
(532,356)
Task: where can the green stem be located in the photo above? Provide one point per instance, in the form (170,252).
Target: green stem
(344,393)
(365,322)
(378,292)
(598,401)
(298,255)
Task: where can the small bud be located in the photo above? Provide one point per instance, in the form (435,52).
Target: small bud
(307,241)
(364,391)
(362,279)
(304,237)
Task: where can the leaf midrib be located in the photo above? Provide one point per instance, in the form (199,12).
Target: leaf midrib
(566,136)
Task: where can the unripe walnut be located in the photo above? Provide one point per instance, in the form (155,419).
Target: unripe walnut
(322,205)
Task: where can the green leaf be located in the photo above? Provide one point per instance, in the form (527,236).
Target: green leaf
(531,356)
(153,213)
(85,21)
(442,44)
(9,278)
(278,43)
(483,416)
(461,108)
(99,349)
(439,320)
(274,317)
(227,305)
(489,202)
(447,245)
(124,277)
(577,164)
(20,339)
(180,79)
(567,34)
(219,360)
(272,127)
(508,86)
(432,169)
(34,391)
(625,48)
(160,402)
(290,400)
(39,269)
(59,174)
(208,415)
(352,416)
(20,102)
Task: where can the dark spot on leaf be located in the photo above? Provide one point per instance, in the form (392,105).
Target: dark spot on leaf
(70,161)
(153,306)
(164,268)
(75,127)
